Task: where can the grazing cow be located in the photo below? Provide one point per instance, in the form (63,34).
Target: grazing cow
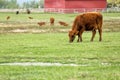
(41,23)
(63,23)
(90,21)
(52,21)
(30,17)
(8,17)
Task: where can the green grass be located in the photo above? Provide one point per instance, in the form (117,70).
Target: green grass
(102,58)
(59,73)
(36,16)
(54,47)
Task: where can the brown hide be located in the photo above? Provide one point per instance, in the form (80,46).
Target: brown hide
(52,21)
(41,23)
(63,23)
(86,22)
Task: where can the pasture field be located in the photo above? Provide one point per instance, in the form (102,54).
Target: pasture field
(22,40)
(100,60)
(22,23)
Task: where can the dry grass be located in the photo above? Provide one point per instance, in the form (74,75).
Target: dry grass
(21,23)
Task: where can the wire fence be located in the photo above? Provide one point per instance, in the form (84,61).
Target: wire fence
(54,10)
(79,10)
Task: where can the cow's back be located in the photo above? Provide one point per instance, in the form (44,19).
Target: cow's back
(87,19)
(92,17)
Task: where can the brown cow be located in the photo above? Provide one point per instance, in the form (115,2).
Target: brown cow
(30,17)
(86,22)
(52,21)
(63,23)
(8,17)
(41,23)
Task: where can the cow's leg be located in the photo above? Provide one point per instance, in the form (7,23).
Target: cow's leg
(80,34)
(93,34)
(100,34)
(78,38)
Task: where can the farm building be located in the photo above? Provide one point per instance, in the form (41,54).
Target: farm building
(70,6)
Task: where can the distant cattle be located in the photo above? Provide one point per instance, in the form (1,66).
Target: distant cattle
(41,23)
(52,20)
(17,12)
(28,11)
(8,17)
(90,21)
(63,23)
(30,17)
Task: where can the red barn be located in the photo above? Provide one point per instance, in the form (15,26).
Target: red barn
(70,6)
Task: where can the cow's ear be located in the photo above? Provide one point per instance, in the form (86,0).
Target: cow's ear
(77,32)
(70,31)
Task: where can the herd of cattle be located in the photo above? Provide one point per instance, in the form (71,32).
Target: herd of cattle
(52,20)
(90,21)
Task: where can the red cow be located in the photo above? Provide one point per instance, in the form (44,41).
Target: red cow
(63,23)
(41,23)
(86,22)
(52,21)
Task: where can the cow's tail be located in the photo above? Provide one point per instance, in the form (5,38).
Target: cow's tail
(100,21)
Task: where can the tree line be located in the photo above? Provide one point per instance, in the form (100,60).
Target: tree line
(113,3)
(12,4)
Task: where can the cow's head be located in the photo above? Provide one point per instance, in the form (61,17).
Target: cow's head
(72,35)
